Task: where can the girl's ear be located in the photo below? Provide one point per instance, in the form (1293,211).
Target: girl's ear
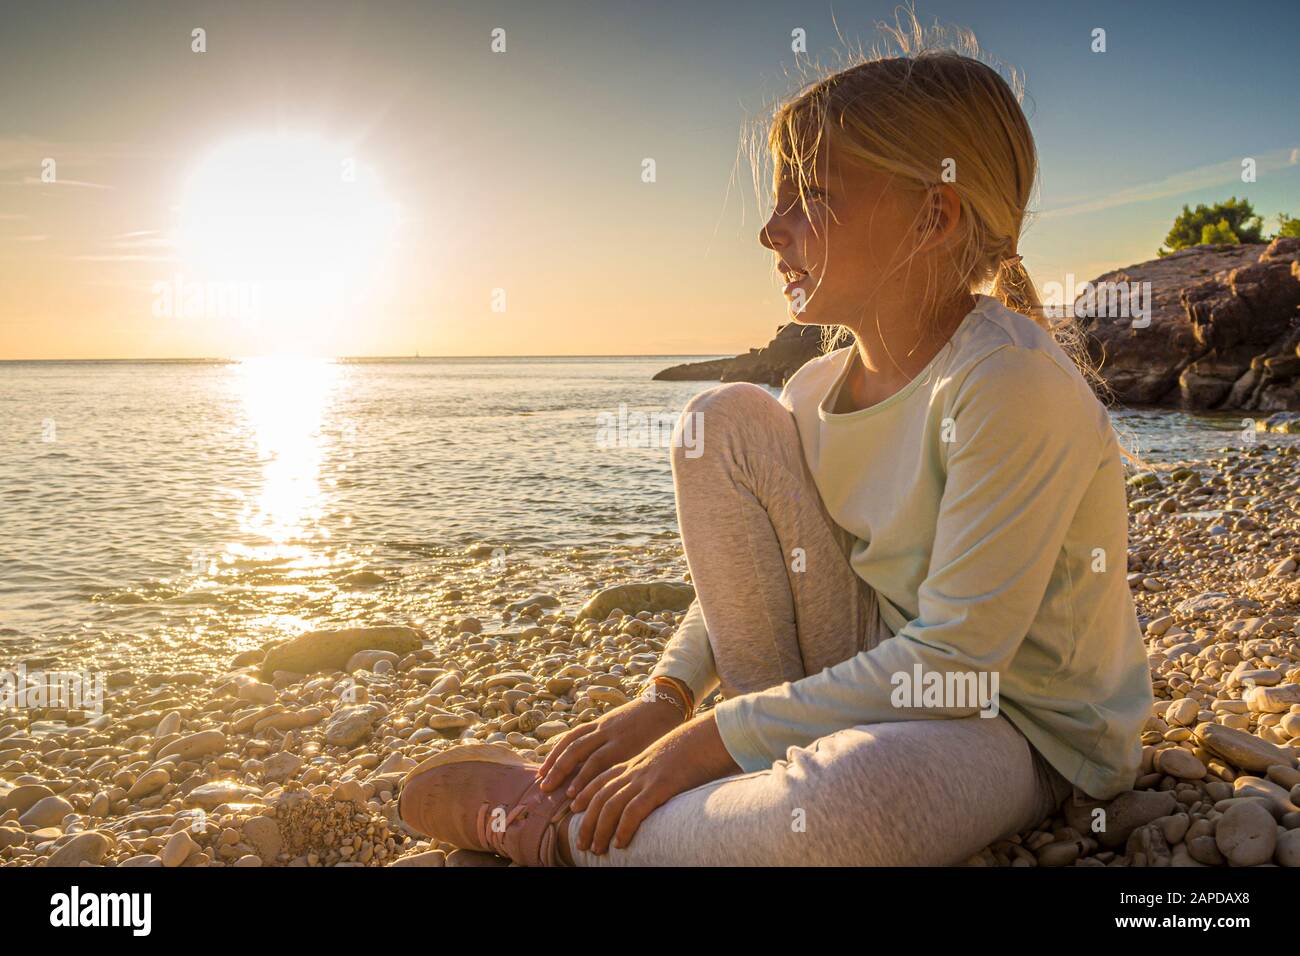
(942,213)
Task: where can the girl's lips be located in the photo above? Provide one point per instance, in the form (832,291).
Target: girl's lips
(794,284)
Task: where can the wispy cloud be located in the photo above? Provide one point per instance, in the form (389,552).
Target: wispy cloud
(1192,180)
(138,245)
(123,258)
(24,152)
(141,239)
(37,181)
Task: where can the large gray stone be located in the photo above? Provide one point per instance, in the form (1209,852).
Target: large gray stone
(1133,809)
(350,725)
(635,598)
(89,847)
(1243,750)
(331,650)
(1246,834)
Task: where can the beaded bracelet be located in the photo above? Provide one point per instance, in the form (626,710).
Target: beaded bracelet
(682,688)
(686,703)
(651,693)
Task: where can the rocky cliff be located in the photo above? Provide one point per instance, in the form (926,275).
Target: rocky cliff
(1219,329)
(792,346)
(1223,329)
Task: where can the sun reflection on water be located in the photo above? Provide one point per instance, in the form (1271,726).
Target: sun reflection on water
(286,402)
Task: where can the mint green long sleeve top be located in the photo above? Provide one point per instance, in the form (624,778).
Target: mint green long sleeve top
(987,503)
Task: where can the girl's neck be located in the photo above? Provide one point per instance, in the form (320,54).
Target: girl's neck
(885,363)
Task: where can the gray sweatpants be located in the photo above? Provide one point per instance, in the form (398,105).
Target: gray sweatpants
(908,793)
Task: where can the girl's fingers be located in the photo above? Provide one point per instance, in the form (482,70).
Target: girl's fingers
(634,814)
(567,755)
(549,761)
(612,811)
(584,797)
(598,762)
(565,739)
(603,787)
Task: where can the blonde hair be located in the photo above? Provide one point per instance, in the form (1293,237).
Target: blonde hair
(927,108)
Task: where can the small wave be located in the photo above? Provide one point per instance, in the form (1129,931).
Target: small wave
(414,547)
(123,598)
(194,597)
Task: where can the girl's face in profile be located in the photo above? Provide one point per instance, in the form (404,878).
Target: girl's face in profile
(835,257)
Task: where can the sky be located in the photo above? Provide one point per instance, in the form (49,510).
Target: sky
(375,179)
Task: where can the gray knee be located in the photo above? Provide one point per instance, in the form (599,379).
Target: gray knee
(723,411)
(741,400)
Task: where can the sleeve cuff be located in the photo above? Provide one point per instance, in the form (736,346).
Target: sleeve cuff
(733,717)
(688,656)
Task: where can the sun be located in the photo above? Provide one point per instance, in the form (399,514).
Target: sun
(303,221)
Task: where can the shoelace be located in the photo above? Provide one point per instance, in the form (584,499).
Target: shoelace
(495,839)
(489,835)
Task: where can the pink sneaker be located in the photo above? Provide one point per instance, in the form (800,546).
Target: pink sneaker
(486,797)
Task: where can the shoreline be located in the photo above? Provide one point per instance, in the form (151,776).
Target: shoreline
(220,767)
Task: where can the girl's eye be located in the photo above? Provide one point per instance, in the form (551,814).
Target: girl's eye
(786,204)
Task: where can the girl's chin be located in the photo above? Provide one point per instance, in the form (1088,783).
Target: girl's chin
(809,316)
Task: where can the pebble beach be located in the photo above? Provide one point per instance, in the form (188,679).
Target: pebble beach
(289,753)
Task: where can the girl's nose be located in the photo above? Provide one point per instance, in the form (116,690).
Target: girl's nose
(772,236)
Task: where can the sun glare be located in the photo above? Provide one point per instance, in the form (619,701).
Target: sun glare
(302,221)
(286,401)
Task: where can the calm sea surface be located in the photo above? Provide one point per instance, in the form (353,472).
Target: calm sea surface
(146,499)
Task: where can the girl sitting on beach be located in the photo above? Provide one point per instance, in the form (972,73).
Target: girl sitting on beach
(910,568)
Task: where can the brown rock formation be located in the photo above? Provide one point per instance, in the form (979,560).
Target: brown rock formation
(771,365)
(1137,363)
(1223,330)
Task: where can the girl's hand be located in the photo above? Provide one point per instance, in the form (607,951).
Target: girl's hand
(594,747)
(620,798)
